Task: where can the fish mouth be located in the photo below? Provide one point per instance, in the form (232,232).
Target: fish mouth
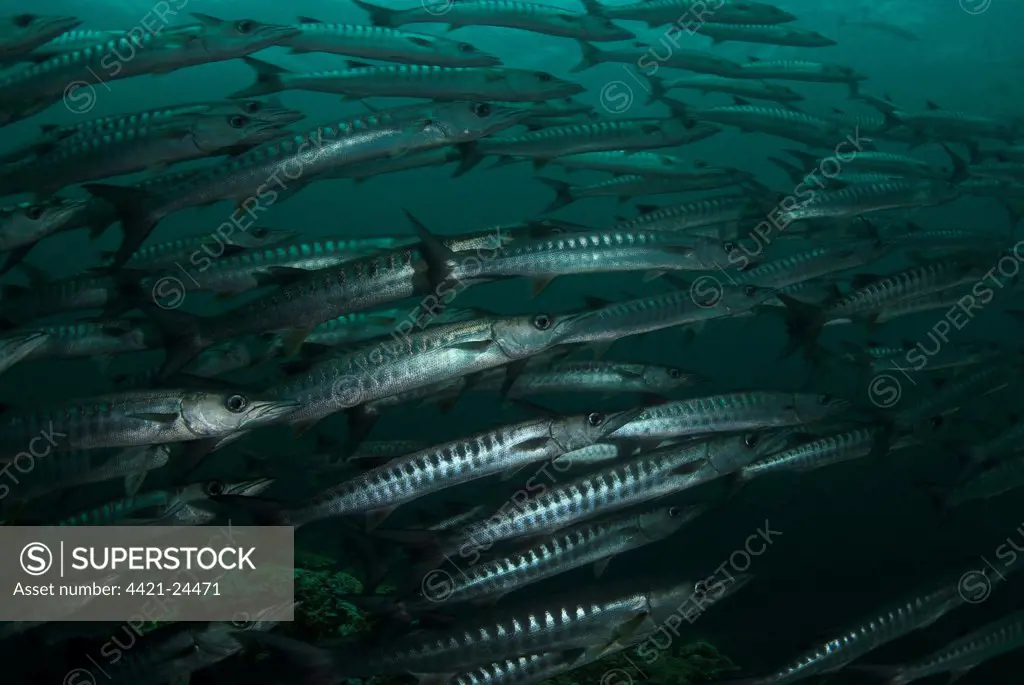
(280,116)
(275,34)
(506,117)
(263,412)
(62,23)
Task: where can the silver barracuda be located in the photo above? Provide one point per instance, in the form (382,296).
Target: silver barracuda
(731,85)
(20,34)
(695,13)
(189,248)
(764,33)
(390,45)
(254,177)
(414,81)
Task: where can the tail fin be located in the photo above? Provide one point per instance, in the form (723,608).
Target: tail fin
(796,175)
(803,323)
(269,79)
(182,338)
(563,193)
(379,16)
(960,170)
(133,209)
(591,56)
(658,91)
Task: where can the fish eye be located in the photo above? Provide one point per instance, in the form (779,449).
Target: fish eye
(542,322)
(937,421)
(466,47)
(237,121)
(252,106)
(482,109)
(751,440)
(543,76)
(749,291)
(244,26)
(236,403)
(34,212)
(673,512)
(595,418)
(675,373)
(260,232)
(214,488)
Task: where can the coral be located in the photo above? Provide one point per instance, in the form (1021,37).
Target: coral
(682,664)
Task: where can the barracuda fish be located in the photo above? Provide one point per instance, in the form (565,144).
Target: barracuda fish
(601,136)
(870,301)
(535,17)
(378,492)
(801,70)
(731,412)
(271,112)
(210,40)
(419,359)
(808,264)
(356,328)
(1002,476)
(598,252)
(869,161)
(249,176)
(96,340)
(73,469)
(186,249)
(22,305)
(944,400)
(625,187)
(591,376)
(711,211)
(764,33)
(1006,442)
(414,81)
(960,656)
(69,41)
(389,45)
(912,613)
(147,508)
(25,224)
(647,58)
(857,200)
(875,357)
(602,619)
(831,449)
(590,543)
(697,13)
(936,122)
(635,481)
(787,123)
(881,27)
(20,34)
(205,510)
(632,162)
(252,269)
(609,322)
(759,90)
(526,670)
(310,299)
(77,160)
(14,348)
(148,417)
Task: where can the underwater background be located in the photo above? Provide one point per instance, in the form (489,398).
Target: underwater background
(851,536)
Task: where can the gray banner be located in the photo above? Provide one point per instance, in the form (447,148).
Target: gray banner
(156,573)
